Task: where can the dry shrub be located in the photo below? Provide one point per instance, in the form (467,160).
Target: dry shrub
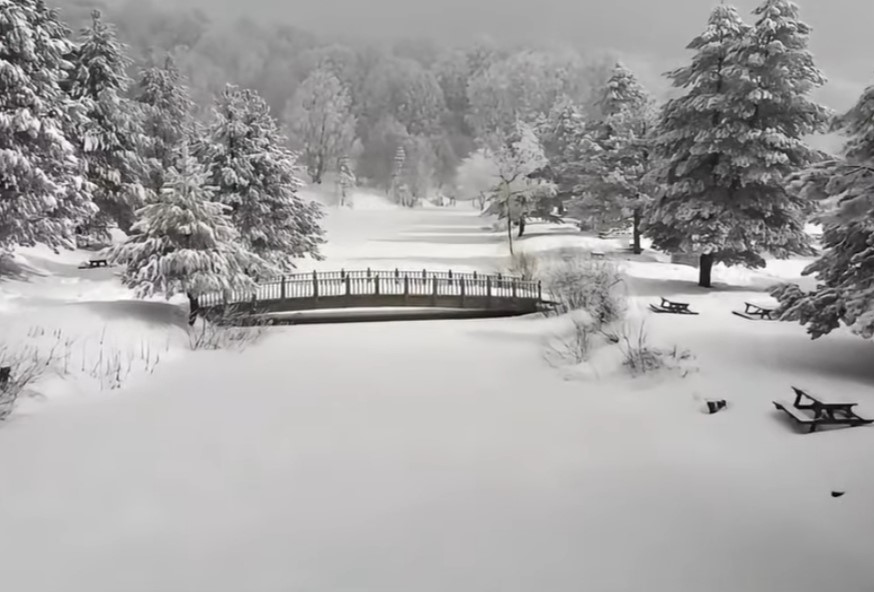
(43,352)
(231,329)
(576,281)
(524,265)
(20,368)
(639,357)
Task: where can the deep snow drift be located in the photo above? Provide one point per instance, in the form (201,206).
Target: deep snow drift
(436,456)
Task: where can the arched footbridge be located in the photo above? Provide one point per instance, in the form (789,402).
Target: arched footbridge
(456,295)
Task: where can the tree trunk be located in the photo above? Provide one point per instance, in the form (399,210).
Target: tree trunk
(193,308)
(510,233)
(637,249)
(521,226)
(705,268)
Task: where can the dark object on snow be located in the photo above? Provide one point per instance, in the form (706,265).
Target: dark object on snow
(755,312)
(193,309)
(715,406)
(5,375)
(94,263)
(838,493)
(672,307)
(823,413)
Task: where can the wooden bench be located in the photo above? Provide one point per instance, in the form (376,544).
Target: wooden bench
(94,263)
(823,413)
(754,312)
(672,307)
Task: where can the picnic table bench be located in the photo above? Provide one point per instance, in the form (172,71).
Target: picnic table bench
(756,312)
(672,307)
(94,263)
(823,413)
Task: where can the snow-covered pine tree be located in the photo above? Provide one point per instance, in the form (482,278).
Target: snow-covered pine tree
(256,176)
(110,135)
(617,159)
(563,136)
(728,144)
(43,195)
(166,117)
(845,270)
(183,242)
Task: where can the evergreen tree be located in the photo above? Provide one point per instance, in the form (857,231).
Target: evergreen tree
(43,196)
(256,176)
(617,158)
(563,135)
(845,270)
(111,134)
(167,120)
(729,143)
(183,242)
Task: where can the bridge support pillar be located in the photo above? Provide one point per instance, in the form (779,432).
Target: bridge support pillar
(461,284)
(434,291)
(488,292)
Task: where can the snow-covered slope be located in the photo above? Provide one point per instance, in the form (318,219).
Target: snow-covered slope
(440,456)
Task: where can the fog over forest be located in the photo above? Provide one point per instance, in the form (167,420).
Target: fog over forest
(650,35)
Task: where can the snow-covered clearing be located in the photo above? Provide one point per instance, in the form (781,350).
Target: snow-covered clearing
(433,456)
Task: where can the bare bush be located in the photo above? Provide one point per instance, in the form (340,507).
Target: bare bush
(639,357)
(20,368)
(575,281)
(43,352)
(230,329)
(575,346)
(524,265)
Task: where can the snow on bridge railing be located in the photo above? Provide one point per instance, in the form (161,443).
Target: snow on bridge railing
(381,282)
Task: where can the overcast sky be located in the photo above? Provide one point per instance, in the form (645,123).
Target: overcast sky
(651,33)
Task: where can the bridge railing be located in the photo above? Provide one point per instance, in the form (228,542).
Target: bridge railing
(318,284)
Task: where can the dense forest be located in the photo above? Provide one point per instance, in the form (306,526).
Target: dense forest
(356,99)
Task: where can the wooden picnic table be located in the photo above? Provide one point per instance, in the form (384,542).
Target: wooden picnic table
(682,307)
(756,310)
(823,413)
(821,408)
(94,263)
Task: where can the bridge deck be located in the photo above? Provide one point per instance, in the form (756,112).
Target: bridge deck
(370,288)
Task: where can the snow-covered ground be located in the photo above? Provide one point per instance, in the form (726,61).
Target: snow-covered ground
(430,456)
